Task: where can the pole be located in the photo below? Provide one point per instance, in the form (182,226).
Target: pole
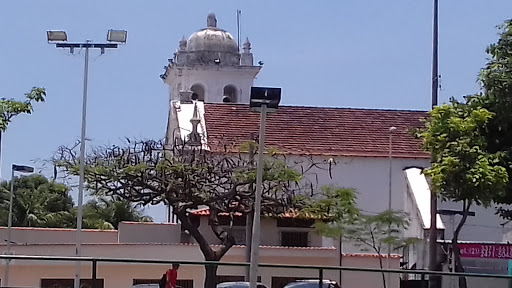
(1,154)
(341,259)
(391,130)
(433,198)
(255,243)
(9,229)
(249,223)
(82,172)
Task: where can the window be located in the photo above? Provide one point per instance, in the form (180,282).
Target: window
(294,222)
(239,234)
(232,278)
(229,95)
(294,239)
(280,282)
(69,283)
(235,221)
(184,283)
(197,92)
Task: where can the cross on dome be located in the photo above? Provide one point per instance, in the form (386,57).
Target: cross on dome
(211,20)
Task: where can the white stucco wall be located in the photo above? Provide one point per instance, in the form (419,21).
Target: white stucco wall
(270,233)
(122,275)
(485,226)
(213,79)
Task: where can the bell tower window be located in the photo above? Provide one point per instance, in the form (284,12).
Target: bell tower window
(197,92)
(229,95)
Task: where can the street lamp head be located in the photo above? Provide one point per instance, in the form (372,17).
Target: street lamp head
(392,130)
(56,36)
(118,36)
(265,96)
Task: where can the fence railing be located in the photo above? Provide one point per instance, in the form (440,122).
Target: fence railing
(94,261)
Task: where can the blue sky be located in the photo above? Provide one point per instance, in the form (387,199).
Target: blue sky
(364,53)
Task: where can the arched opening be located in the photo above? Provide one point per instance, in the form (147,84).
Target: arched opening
(229,95)
(197,92)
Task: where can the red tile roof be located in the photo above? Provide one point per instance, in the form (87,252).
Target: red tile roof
(318,130)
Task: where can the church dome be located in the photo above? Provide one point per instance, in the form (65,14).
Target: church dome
(212,39)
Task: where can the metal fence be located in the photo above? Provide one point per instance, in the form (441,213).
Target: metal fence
(419,277)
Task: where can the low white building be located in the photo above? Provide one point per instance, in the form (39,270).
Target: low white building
(166,242)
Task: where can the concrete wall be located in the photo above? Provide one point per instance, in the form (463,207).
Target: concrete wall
(130,232)
(213,79)
(22,235)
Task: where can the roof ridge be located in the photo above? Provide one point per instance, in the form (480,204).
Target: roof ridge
(326,107)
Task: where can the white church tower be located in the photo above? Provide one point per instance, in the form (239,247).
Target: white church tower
(209,67)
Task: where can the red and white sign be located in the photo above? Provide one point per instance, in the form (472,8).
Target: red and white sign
(492,251)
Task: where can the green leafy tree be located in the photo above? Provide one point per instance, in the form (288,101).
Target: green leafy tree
(187,178)
(337,206)
(462,169)
(10,108)
(37,202)
(379,232)
(108,212)
(343,220)
(496,97)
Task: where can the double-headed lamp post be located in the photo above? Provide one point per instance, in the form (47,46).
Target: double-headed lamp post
(59,38)
(19,169)
(263,100)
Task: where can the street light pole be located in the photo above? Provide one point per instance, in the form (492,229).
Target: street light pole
(264,100)
(79,213)
(390,195)
(255,243)
(61,36)
(22,169)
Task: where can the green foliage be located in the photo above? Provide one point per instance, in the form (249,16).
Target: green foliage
(145,173)
(46,204)
(37,203)
(471,142)
(496,81)
(375,232)
(369,232)
(337,206)
(462,168)
(10,108)
(186,177)
(107,213)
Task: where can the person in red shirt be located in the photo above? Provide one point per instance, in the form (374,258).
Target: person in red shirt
(172,276)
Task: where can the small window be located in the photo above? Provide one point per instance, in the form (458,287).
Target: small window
(197,92)
(183,283)
(294,239)
(294,222)
(239,235)
(68,283)
(229,95)
(235,221)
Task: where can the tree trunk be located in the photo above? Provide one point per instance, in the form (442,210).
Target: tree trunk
(383,274)
(209,254)
(455,245)
(210,280)
(249,220)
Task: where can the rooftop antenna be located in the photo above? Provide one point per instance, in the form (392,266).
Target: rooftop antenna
(238,15)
